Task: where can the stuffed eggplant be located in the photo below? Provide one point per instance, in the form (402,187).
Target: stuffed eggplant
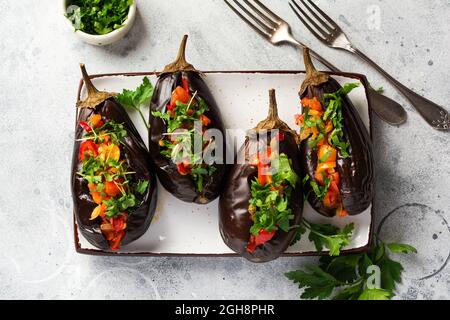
(336,148)
(113,190)
(262,200)
(184,124)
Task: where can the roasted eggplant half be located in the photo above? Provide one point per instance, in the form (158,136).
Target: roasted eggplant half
(184,125)
(336,148)
(113,189)
(262,201)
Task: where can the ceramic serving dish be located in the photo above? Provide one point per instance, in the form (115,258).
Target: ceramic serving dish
(185,229)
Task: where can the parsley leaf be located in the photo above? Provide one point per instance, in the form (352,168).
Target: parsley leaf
(142,186)
(375,294)
(317,283)
(343,268)
(391,273)
(400,248)
(350,293)
(137,98)
(329,236)
(349,273)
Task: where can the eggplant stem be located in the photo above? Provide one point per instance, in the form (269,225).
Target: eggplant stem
(273,108)
(313,77)
(180,63)
(87,80)
(95,97)
(273,121)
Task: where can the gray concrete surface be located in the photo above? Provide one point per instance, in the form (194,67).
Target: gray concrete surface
(38,79)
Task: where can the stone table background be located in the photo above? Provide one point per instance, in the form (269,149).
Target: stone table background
(39,75)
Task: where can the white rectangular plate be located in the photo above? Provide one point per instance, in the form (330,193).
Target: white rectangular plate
(180,228)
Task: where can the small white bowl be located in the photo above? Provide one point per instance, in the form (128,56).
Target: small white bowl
(104,39)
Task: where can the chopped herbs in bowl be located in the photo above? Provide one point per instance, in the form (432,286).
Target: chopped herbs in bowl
(100,22)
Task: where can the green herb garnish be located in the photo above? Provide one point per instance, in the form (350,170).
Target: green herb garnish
(98,16)
(269,203)
(333,111)
(115,131)
(348,276)
(320,190)
(180,125)
(134,100)
(142,186)
(99,171)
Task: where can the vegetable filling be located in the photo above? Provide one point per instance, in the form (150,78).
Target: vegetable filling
(322,122)
(109,179)
(186,124)
(271,192)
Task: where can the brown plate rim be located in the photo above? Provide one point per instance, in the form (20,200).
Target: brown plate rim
(99,252)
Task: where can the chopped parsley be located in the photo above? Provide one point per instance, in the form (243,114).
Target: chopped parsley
(269,203)
(332,103)
(107,167)
(98,16)
(333,111)
(182,134)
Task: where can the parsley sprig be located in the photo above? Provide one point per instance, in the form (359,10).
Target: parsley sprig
(325,236)
(135,99)
(346,277)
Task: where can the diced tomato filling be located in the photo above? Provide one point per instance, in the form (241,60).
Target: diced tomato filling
(112,228)
(112,189)
(182,95)
(263,165)
(184,168)
(85,126)
(259,239)
(325,172)
(96,121)
(88,149)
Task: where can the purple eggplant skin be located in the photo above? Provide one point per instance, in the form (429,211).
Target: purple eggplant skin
(357,171)
(182,186)
(136,155)
(234,218)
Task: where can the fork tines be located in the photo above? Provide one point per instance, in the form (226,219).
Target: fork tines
(264,20)
(321,26)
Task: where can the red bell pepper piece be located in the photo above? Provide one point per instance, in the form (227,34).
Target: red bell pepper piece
(259,239)
(183,169)
(85,126)
(205,120)
(111,189)
(185,84)
(90,147)
(181,95)
(264,175)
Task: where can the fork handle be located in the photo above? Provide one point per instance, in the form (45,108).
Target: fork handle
(435,115)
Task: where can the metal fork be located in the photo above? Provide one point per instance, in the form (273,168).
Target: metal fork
(277,31)
(328,32)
